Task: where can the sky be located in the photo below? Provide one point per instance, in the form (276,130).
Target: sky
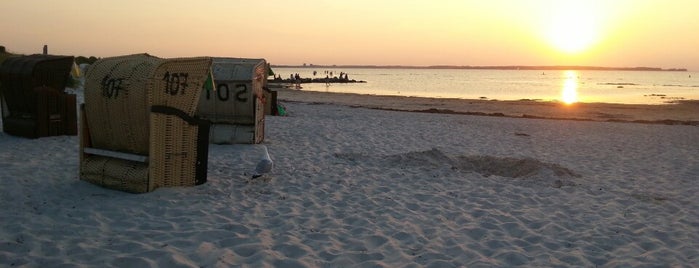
(612,33)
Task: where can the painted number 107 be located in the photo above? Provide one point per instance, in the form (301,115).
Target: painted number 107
(175,82)
(111,86)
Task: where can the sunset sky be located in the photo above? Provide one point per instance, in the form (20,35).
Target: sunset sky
(615,33)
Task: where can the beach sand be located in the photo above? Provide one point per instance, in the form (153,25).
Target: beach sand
(366,187)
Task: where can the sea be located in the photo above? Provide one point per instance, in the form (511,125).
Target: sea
(569,86)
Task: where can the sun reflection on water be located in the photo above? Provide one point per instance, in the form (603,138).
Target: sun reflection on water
(569,94)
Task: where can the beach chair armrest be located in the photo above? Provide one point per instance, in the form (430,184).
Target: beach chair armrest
(115,154)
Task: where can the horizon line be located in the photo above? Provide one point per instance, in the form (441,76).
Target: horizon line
(487,67)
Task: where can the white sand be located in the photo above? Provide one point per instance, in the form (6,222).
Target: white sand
(371,188)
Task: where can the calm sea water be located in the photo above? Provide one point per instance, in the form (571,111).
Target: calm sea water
(632,87)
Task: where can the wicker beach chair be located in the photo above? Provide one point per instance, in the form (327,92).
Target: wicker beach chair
(236,109)
(34,103)
(138,130)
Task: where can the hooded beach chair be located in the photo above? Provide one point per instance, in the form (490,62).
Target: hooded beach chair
(138,129)
(236,109)
(32,95)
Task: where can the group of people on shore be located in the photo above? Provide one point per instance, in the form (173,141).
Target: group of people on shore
(329,74)
(329,77)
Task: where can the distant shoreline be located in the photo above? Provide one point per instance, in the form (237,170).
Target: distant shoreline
(512,67)
(685,112)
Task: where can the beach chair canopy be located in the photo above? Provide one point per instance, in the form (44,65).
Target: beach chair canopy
(138,126)
(34,103)
(236,106)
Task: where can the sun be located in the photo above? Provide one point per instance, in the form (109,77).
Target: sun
(573,27)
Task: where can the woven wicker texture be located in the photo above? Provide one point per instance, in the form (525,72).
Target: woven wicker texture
(176,83)
(119,95)
(116,101)
(115,174)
